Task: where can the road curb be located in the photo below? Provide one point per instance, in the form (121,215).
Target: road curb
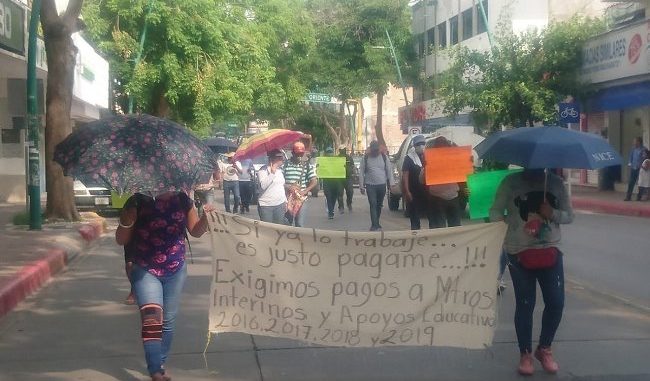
(33,276)
(631,208)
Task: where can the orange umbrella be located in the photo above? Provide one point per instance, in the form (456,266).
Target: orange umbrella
(259,144)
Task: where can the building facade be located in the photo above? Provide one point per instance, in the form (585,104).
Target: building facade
(617,64)
(90,94)
(442,24)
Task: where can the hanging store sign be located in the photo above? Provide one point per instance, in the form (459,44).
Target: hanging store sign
(12,27)
(617,54)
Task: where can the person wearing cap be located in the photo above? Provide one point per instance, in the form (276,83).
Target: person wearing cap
(333,189)
(346,183)
(230,172)
(415,192)
(300,177)
(375,174)
(272,199)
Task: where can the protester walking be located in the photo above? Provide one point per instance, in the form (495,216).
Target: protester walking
(246,186)
(644,177)
(445,199)
(634,162)
(152,229)
(272,199)
(375,174)
(230,172)
(347,186)
(204,192)
(300,178)
(414,190)
(333,189)
(534,206)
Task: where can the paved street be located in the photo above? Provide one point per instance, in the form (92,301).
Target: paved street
(78,329)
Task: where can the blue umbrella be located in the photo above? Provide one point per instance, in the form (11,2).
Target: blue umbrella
(548,147)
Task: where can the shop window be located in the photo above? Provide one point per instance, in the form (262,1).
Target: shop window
(481,27)
(453,30)
(468,20)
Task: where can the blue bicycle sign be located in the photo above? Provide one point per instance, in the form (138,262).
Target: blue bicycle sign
(569,112)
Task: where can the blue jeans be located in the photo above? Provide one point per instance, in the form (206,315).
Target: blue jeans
(274,214)
(634,177)
(299,219)
(231,186)
(445,212)
(376,194)
(524,282)
(165,292)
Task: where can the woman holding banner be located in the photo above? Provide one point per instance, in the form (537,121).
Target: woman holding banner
(534,204)
(153,231)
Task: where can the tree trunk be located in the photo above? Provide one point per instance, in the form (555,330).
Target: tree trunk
(162,108)
(333,133)
(379,131)
(61,60)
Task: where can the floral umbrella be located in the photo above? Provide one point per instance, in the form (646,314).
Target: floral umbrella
(136,153)
(263,142)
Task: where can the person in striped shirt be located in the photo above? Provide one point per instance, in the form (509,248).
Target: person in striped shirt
(300,176)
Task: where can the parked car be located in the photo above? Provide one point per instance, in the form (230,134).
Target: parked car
(92,196)
(459,135)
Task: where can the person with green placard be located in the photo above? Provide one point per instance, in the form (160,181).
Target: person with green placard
(332,187)
(346,183)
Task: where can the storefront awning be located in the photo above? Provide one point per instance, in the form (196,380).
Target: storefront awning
(620,97)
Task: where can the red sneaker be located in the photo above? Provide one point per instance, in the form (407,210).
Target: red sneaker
(545,356)
(526,365)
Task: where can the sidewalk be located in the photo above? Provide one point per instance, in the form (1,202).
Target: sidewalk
(30,259)
(607,202)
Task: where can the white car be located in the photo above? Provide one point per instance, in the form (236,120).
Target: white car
(92,196)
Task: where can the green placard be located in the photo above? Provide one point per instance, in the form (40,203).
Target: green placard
(330,167)
(118,200)
(12,27)
(482,189)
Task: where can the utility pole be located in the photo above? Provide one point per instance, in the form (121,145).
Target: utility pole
(399,77)
(399,71)
(485,21)
(33,123)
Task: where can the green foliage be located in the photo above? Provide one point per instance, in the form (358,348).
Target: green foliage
(204,61)
(353,58)
(521,80)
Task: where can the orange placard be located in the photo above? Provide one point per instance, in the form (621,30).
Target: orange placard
(444,165)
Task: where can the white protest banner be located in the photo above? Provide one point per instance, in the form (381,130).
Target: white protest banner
(359,289)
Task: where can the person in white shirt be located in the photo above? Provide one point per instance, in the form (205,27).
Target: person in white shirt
(230,172)
(272,199)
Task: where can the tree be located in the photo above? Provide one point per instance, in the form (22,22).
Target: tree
(346,62)
(61,60)
(521,80)
(204,61)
